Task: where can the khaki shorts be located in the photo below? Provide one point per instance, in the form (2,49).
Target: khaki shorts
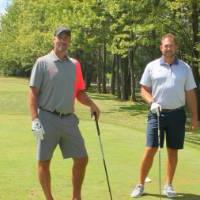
(63,131)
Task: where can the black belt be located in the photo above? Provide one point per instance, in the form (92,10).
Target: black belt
(171,110)
(56,113)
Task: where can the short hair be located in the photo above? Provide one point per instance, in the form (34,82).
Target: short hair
(169,35)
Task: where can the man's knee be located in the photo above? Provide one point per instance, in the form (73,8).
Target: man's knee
(81,162)
(172,154)
(150,151)
(43,165)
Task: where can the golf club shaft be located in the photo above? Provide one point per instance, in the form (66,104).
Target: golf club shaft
(159,149)
(160,173)
(103,157)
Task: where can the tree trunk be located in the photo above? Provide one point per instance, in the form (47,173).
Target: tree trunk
(118,77)
(113,79)
(124,78)
(104,68)
(132,75)
(88,74)
(99,72)
(196,39)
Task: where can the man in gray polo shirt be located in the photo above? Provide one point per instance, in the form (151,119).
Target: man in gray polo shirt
(164,85)
(56,80)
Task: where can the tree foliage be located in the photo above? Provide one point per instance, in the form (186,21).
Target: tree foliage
(109,36)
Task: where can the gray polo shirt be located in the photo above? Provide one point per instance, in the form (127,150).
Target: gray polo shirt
(58,82)
(168,82)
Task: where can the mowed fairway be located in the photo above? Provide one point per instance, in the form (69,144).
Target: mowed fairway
(122,127)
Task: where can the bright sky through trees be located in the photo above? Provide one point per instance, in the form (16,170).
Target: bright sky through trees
(3,5)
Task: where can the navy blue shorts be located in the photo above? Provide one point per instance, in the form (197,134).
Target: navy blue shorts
(172,128)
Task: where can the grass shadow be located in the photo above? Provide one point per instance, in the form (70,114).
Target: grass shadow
(135,109)
(180,196)
(193,138)
(102,97)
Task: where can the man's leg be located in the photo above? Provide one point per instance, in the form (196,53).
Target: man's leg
(146,163)
(45,178)
(78,173)
(171,164)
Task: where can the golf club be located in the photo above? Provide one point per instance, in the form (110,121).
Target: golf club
(159,150)
(102,153)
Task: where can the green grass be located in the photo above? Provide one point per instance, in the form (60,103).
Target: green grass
(122,127)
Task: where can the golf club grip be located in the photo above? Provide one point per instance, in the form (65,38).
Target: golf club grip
(95,115)
(159,111)
(97,124)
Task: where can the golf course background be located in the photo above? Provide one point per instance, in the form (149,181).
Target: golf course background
(122,126)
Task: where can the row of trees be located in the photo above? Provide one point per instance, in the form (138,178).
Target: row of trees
(117,37)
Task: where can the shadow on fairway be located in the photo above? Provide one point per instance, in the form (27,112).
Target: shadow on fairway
(102,97)
(193,138)
(136,109)
(180,196)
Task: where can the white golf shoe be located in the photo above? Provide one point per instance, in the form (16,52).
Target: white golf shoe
(169,191)
(138,191)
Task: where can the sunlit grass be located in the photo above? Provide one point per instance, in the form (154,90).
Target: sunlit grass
(122,127)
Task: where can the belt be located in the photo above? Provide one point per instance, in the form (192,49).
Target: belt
(56,112)
(171,110)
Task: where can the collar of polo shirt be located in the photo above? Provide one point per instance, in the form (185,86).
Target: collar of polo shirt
(162,62)
(55,57)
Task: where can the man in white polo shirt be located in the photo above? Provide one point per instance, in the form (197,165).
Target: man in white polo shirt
(56,80)
(165,84)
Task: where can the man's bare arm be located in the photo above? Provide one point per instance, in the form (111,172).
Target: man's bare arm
(86,100)
(192,105)
(33,102)
(146,94)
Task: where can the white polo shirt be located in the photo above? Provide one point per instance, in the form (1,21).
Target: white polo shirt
(168,82)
